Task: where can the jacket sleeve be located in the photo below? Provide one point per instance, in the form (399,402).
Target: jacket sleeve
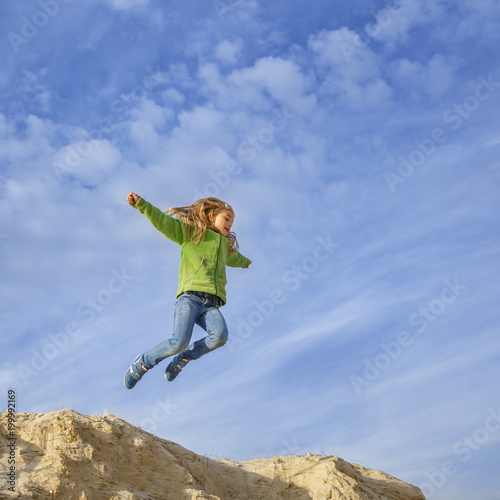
(237,260)
(169,226)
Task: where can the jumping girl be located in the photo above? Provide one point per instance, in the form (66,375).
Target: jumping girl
(203,230)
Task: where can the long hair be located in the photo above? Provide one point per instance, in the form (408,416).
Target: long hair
(198,218)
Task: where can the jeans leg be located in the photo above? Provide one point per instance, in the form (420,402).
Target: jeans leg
(214,324)
(187,310)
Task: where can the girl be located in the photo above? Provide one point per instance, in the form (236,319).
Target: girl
(203,230)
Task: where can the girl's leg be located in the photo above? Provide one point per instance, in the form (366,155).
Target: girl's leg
(188,309)
(212,321)
(214,324)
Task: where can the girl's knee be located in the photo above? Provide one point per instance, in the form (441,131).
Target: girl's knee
(220,339)
(179,347)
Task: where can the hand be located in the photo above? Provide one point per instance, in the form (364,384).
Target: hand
(132,199)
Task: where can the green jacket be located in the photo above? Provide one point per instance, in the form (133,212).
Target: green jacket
(203,266)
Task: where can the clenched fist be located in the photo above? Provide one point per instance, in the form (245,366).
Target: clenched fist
(132,199)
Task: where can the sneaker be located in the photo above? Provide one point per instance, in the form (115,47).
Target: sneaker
(175,367)
(135,372)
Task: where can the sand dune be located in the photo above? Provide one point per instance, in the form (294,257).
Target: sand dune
(65,455)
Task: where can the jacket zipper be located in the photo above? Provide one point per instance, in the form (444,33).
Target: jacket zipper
(216,264)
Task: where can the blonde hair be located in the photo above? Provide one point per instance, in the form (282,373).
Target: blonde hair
(198,217)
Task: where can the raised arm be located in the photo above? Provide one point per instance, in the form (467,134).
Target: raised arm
(169,226)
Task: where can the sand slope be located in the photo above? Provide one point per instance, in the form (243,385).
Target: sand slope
(66,455)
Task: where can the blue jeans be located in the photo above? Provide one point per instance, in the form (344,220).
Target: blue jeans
(191,310)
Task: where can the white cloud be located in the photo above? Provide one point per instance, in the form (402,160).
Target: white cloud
(26,148)
(435,78)
(35,92)
(146,126)
(235,11)
(344,53)
(91,162)
(172,96)
(283,79)
(393,24)
(127,4)
(203,125)
(211,78)
(6,128)
(228,52)
(349,69)
(373,94)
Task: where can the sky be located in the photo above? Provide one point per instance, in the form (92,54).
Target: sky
(359,145)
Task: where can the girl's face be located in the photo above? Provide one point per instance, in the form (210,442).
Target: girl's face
(223,221)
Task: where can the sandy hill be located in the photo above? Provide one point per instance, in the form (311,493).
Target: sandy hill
(65,455)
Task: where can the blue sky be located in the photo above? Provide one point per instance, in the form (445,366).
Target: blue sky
(359,144)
